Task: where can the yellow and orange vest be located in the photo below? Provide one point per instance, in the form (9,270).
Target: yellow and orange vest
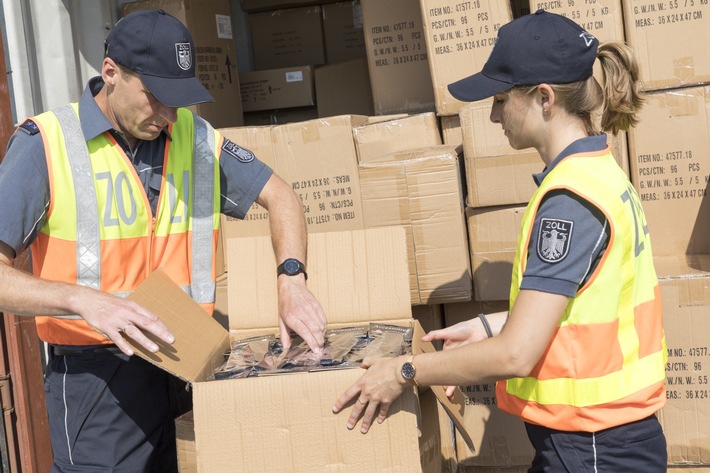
(605,365)
(100,230)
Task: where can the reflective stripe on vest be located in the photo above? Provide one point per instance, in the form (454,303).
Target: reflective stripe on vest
(201,221)
(605,364)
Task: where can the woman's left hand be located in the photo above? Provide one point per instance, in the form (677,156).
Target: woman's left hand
(375,391)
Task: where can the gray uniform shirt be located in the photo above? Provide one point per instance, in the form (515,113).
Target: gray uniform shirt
(24,178)
(579,229)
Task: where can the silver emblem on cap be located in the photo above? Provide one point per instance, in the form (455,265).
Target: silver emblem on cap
(184,56)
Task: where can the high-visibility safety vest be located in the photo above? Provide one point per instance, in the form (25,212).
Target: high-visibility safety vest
(100,230)
(605,365)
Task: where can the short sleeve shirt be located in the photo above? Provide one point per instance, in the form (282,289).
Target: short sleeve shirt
(579,227)
(24,178)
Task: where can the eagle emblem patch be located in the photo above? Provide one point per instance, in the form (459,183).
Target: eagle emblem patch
(184,55)
(233,149)
(554,239)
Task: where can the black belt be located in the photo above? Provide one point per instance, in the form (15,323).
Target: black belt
(107,350)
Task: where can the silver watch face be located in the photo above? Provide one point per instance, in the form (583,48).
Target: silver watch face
(408,370)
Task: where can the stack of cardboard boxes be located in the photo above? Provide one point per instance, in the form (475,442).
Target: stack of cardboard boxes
(348,102)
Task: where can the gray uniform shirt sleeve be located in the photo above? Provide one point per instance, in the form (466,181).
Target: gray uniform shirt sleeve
(24,190)
(242,177)
(569,236)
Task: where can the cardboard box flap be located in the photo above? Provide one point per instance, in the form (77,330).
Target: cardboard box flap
(358,276)
(455,406)
(200,341)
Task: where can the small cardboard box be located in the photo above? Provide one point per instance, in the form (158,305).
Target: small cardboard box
(396,134)
(277,88)
(285,422)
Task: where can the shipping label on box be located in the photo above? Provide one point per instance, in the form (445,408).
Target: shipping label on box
(601,18)
(397,57)
(459,37)
(670,168)
(670,40)
(318,159)
(686,415)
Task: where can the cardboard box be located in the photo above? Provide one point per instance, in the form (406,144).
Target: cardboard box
(686,415)
(397,56)
(263,5)
(344,88)
(277,88)
(602,18)
(493,234)
(497,174)
(386,137)
(358,277)
(318,159)
(289,37)
(185,440)
(670,168)
(670,40)
(420,189)
(500,440)
(459,38)
(451,129)
(343,32)
(280,116)
(210,24)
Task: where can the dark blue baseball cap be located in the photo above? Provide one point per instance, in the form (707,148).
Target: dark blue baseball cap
(159,48)
(542,47)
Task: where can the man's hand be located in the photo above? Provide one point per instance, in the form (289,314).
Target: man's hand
(300,311)
(375,391)
(116,317)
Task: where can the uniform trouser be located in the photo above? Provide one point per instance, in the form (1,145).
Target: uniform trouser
(638,446)
(112,413)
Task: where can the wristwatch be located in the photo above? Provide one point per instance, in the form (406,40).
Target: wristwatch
(409,371)
(291,267)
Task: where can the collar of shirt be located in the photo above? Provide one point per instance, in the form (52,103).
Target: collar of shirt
(582,145)
(93,121)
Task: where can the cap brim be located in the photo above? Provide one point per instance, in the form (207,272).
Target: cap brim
(477,87)
(178,92)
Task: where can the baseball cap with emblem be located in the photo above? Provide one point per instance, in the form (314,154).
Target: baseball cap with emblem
(539,48)
(159,48)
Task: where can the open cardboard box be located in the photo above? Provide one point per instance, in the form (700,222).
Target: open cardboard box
(285,422)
